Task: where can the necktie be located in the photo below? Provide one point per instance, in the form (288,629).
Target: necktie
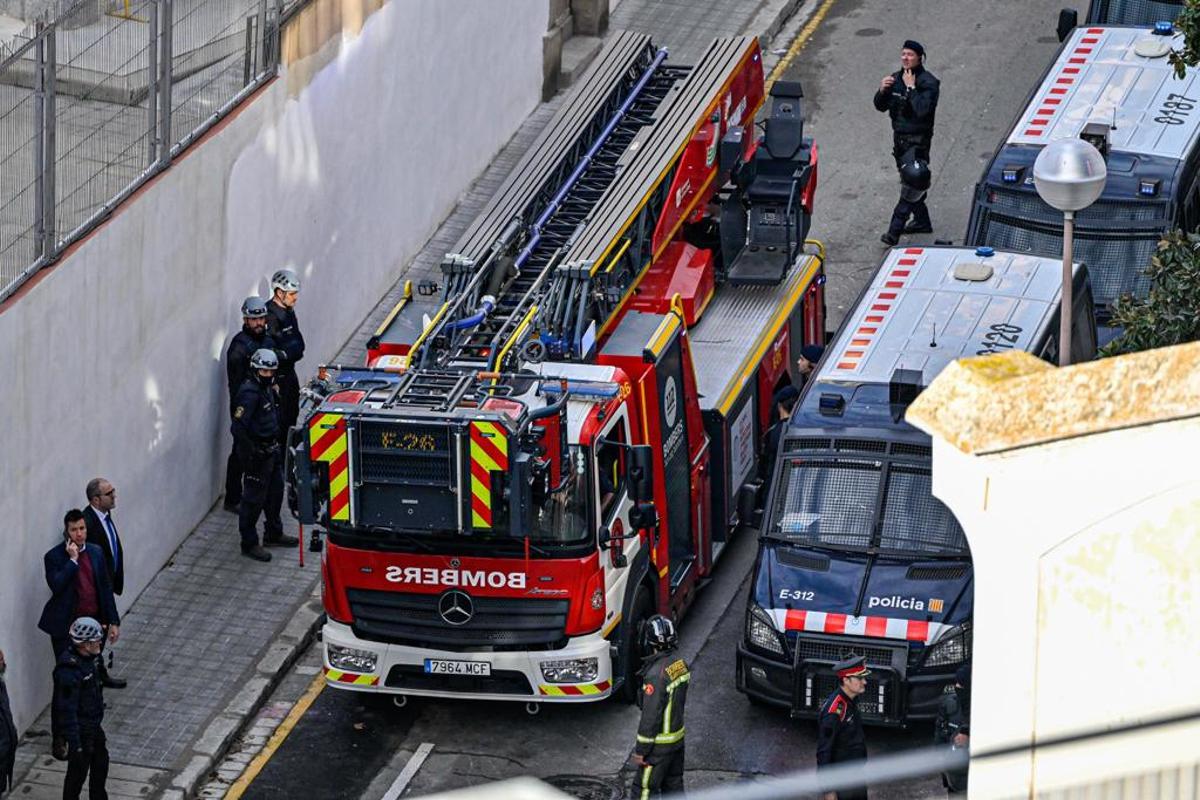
(112,543)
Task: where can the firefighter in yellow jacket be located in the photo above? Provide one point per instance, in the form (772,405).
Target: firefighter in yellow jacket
(659,751)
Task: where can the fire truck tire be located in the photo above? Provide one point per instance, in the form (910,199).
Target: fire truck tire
(631,658)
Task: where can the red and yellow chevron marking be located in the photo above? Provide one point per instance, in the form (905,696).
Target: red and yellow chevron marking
(351,677)
(489,453)
(327,441)
(574,691)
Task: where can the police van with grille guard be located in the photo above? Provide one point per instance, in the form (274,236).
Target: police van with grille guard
(1121,12)
(1115,87)
(856,555)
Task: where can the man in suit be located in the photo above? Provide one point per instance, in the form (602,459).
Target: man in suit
(8,734)
(78,580)
(102,531)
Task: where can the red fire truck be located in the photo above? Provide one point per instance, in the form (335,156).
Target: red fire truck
(557,439)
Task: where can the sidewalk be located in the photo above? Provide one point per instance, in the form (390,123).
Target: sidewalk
(214,632)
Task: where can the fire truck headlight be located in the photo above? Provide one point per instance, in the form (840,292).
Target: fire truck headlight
(571,670)
(350,659)
(761,633)
(953,648)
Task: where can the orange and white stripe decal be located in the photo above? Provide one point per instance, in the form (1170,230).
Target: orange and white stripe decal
(328,442)
(912,630)
(884,301)
(1062,82)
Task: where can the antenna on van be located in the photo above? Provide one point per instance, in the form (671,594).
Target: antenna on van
(1114,122)
(933,333)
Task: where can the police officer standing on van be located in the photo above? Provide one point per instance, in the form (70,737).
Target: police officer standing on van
(910,96)
(839,725)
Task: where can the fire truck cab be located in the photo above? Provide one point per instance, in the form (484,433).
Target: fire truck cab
(556,441)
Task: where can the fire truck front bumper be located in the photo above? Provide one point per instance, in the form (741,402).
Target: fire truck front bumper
(578,673)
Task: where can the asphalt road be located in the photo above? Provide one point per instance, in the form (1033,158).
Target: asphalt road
(988,56)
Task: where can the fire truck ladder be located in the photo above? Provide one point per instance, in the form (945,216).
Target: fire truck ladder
(500,321)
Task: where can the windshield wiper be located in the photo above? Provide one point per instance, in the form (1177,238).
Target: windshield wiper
(407,537)
(785,539)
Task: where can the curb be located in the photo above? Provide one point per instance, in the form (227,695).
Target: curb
(770,20)
(210,748)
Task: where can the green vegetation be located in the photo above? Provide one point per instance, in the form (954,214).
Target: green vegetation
(1171,313)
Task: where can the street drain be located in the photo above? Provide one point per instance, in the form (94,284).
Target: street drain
(585,787)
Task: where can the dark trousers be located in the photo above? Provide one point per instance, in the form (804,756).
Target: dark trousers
(903,142)
(661,774)
(90,764)
(289,401)
(909,208)
(233,478)
(262,494)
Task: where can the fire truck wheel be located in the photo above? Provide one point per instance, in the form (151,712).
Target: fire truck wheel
(631,656)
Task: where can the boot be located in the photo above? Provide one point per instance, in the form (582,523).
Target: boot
(256,552)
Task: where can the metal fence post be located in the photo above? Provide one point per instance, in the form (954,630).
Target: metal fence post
(152,87)
(39,142)
(49,196)
(164,83)
(260,63)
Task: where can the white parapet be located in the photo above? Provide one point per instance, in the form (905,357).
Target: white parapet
(1080,497)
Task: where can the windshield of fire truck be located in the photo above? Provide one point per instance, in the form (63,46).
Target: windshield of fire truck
(561,516)
(835,502)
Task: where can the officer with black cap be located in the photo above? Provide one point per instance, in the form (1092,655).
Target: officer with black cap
(839,724)
(256,426)
(252,337)
(910,96)
(659,751)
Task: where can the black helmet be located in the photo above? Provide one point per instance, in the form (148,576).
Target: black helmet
(658,634)
(914,171)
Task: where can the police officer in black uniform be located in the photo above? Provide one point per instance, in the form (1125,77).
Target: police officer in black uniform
(659,751)
(256,426)
(79,710)
(289,344)
(953,726)
(252,337)
(914,185)
(839,724)
(910,96)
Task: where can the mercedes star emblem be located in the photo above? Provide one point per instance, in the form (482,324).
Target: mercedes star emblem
(456,607)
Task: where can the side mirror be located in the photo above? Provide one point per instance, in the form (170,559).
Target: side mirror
(1068,19)
(641,473)
(643,516)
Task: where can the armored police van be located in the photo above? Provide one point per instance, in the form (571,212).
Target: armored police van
(1120,12)
(1114,87)
(856,555)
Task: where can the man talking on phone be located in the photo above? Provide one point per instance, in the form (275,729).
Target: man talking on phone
(910,97)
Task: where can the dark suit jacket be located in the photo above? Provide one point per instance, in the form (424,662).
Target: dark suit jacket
(98,536)
(61,573)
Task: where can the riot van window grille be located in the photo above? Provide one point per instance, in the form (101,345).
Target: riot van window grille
(829,502)
(914,521)
(1115,262)
(1136,12)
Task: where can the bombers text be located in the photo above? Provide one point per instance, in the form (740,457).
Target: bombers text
(430,576)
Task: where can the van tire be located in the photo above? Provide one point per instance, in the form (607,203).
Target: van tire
(631,657)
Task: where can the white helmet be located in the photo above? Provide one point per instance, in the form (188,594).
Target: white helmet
(285,280)
(86,629)
(264,358)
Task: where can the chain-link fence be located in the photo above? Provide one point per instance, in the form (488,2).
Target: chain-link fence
(102,95)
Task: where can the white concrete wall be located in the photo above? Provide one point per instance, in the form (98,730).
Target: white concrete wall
(113,360)
(1082,510)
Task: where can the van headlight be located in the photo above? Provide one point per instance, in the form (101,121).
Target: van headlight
(350,659)
(761,633)
(571,670)
(953,648)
